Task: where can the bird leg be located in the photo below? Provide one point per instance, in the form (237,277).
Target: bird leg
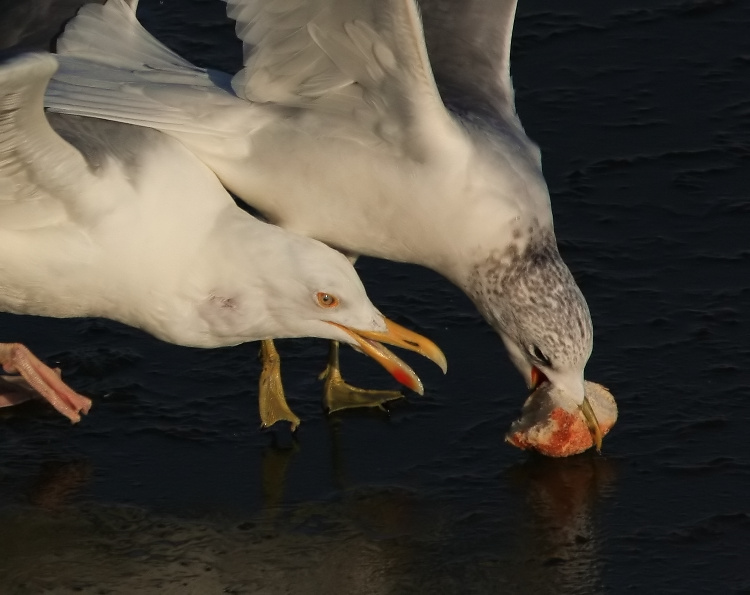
(271,399)
(17,359)
(338,395)
(14,390)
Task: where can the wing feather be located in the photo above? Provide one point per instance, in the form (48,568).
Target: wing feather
(363,61)
(112,68)
(39,171)
(469,46)
(364,58)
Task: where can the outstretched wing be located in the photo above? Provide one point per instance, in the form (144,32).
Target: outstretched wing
(112,68)
(40,173)
(364,58)
(469,46)
(362,61)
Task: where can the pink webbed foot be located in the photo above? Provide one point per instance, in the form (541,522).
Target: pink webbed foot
(41,379)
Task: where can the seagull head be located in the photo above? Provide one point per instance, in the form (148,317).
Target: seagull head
(336,306)
(299,287)
(531,299)
(504,255)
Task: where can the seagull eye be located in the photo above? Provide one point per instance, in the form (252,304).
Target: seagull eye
(326,300)
(539,355)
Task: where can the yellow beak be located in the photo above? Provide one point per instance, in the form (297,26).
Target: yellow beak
(369,342)
(592,423)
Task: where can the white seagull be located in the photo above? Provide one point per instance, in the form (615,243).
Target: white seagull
(335,128)
(104,219)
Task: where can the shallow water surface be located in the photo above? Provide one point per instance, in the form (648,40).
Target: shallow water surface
(641,110)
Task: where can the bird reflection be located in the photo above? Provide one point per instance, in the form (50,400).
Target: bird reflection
(275,461)
(58,482)
(338,464)
(560,528)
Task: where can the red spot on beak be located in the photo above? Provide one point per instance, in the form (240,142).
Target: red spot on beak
(403,378)
(536,377)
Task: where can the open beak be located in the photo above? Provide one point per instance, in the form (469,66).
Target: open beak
(537,377)
(369,342)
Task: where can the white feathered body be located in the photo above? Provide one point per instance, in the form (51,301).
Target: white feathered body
(137,259)
(364,169)
(335,129)
(105,219)
(347,194)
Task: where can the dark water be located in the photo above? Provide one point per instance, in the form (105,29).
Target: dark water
(642,111)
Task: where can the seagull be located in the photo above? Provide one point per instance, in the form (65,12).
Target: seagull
(104,219)
(343,127)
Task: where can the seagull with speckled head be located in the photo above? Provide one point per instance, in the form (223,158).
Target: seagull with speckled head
(360,124)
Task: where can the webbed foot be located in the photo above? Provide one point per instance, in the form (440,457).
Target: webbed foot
(338,395)
(39,379)
(271,399)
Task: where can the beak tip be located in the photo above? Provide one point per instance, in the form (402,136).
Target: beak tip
(593,424)
(415,385)
(400,337)
(436,355)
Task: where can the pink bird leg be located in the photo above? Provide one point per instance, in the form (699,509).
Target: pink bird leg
(15,358)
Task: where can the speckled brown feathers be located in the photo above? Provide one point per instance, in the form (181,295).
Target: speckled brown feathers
(529,286)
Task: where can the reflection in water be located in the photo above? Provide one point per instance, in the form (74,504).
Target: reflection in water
(275,463)
(400,540)
(559,528)
(58,482)
(363,539)
(338,464)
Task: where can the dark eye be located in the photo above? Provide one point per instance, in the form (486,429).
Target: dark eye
(326,300)
(539,355)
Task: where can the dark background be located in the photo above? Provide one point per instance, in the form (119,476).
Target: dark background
(642,113)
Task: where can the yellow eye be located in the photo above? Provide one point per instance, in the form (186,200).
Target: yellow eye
(326,300)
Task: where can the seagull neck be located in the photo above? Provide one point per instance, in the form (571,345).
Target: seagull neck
(480,245)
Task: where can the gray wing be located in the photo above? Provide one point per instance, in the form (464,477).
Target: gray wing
(364,60)
(468,42)
(41,175)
